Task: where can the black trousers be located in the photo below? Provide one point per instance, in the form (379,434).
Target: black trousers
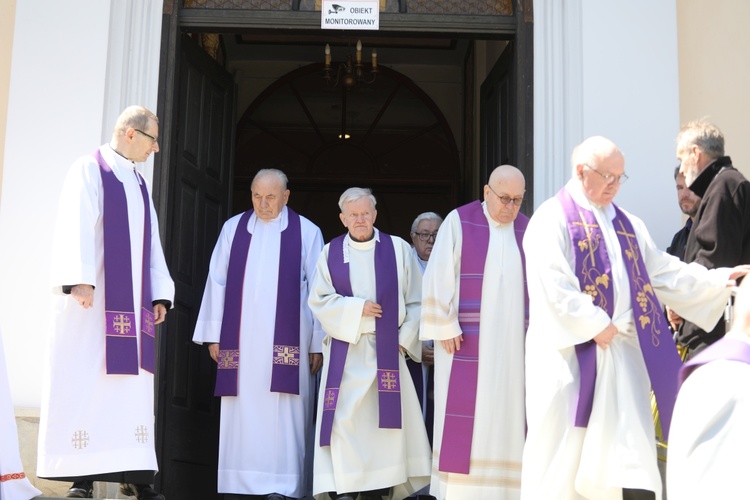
(637,494)
(131,476)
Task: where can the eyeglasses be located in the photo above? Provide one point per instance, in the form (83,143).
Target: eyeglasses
(425,236)
(609,178)
(507,200)
(153,139)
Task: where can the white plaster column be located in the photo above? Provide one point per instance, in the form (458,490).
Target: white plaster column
(603,67)
(558,92)
(132,75)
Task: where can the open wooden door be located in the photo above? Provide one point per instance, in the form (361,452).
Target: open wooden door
(502,122)
(199,180)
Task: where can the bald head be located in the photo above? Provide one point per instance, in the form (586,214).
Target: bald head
(505,173)
(504,193)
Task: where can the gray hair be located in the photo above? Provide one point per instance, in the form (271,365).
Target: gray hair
(267,172)
(591,151)
(703,134)
(355,193)
(136,117)
(425,216)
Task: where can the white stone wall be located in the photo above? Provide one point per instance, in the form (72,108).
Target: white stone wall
(54,116)
(75,65)
(714,48)
(609,68)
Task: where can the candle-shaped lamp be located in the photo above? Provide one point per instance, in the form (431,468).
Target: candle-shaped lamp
(374,59)
(328,55)
(359,51)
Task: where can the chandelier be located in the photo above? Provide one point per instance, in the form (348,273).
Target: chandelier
(352,72)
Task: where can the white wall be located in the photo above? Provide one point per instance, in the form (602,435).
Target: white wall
(75,65)
(605,67)
(54,116)
(714,45)
(631,95)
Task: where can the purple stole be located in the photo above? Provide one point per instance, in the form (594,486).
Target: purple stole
(594,273)
(119,309)
(458,429)
(286,350)
(386,336)
(726,348)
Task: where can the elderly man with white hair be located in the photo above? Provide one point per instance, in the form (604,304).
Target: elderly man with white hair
(598,340)
(423,233)
(259,330)
(370,439)
(708,448)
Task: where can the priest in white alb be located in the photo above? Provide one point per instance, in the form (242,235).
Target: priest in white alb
(108,267)
(258,327)
(598,340)
(14,485)
(710,438)
(473,307)
(370,439)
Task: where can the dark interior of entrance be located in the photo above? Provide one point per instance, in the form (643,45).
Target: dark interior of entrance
(423,136)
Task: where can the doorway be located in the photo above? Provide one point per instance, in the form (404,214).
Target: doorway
(411,140)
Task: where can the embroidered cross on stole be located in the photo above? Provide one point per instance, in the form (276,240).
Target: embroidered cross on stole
(386,336)
(121,340)
(286,349)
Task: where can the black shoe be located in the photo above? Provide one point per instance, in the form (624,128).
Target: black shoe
(81,489)
(375,494)
(343,496)
(140,491)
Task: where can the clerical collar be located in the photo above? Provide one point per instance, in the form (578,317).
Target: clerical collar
(359,245)
(122,155)
(701,183)
(281,221)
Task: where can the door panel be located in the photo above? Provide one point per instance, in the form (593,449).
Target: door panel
(200,179)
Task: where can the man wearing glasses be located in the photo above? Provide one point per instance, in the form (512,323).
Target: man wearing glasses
(424,230)
(97,415)
(473,309)
(598,339)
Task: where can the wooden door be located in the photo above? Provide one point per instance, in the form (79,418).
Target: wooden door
(498,121)
(200,179)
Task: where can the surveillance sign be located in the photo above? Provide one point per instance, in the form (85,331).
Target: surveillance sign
(350,15)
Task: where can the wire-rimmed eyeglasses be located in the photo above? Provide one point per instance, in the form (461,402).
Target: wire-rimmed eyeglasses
(506,200)
(609,178)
